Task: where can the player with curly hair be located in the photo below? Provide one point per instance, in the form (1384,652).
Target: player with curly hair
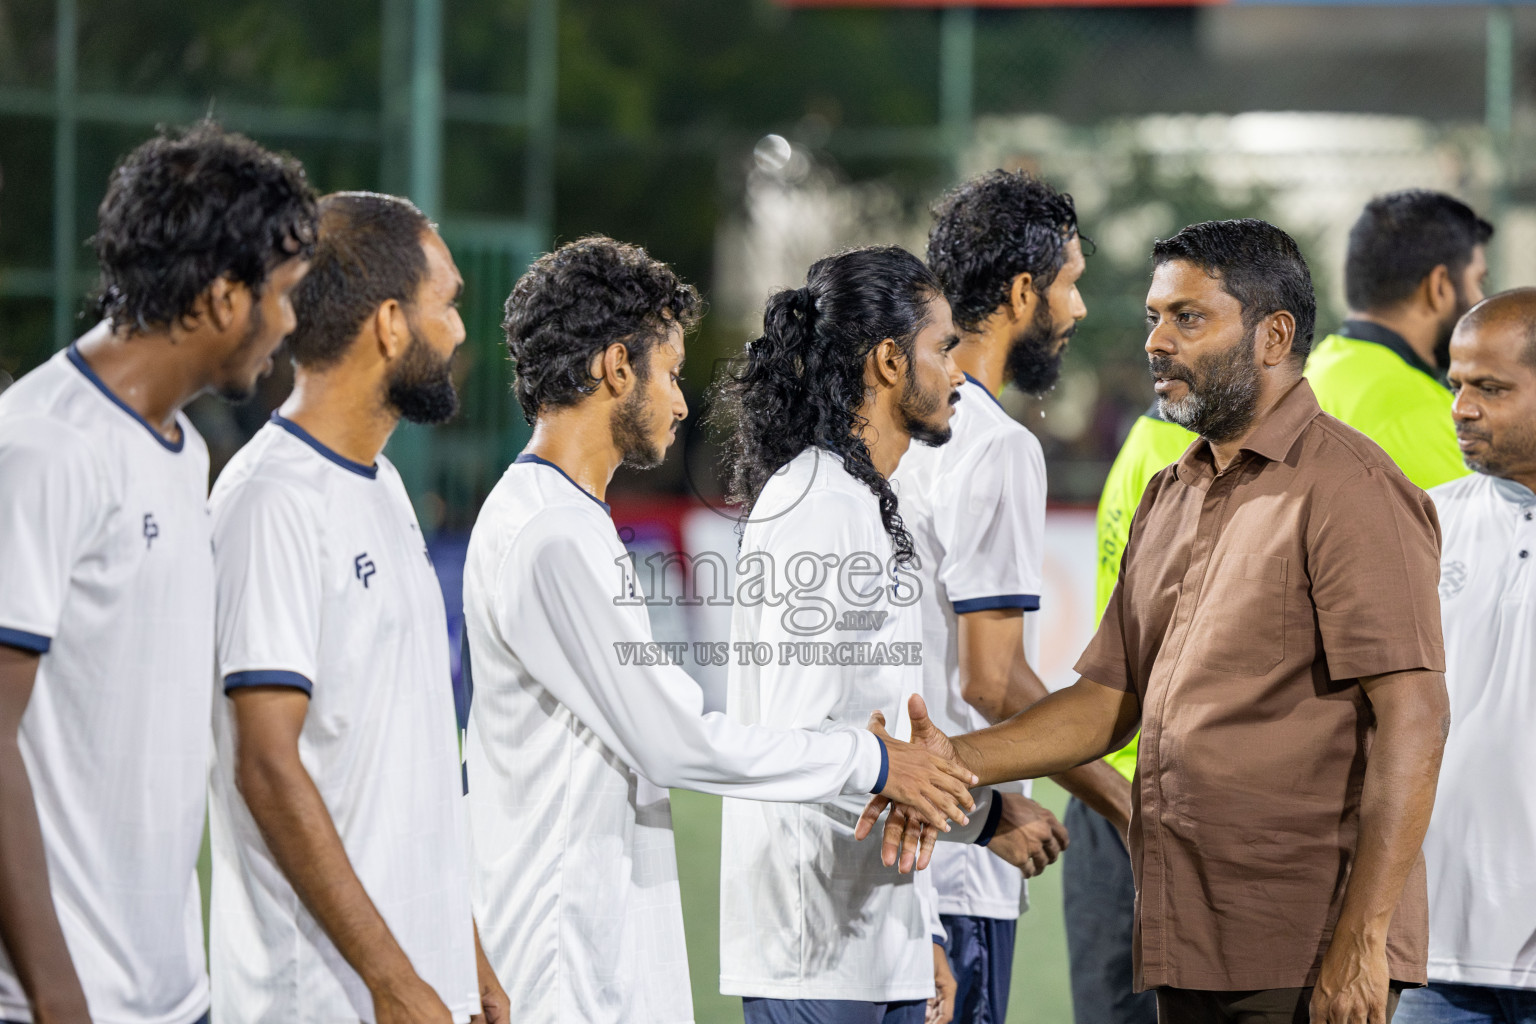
(850,369)
(106,615)
(577,728)
(1006,247)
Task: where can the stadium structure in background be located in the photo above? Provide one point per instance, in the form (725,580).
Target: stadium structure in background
(1126,96)
(445,466)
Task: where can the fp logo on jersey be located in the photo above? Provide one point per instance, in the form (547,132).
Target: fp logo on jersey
(365,569)
(1453,576)
(151,530)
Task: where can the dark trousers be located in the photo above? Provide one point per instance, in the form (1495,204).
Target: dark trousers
(1445,1003)
(832,1011)
(1265,1006)
(1099,901)
(980,951)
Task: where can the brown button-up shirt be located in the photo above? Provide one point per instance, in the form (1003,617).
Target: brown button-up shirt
(1250,602)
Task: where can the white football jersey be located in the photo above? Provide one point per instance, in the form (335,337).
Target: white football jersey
(976,510)
(107,572)
(577,728)
(325,585)
(806,912)
(1482,895)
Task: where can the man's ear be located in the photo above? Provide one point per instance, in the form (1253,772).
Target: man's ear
(1022,297)
(1440,290)
(885,364)
(1277,333)
(392,331)
(613,368)
(224,301)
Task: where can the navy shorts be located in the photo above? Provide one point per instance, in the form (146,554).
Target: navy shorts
(832,1011)
(981,959)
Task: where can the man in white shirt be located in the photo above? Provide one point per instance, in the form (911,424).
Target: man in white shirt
(1006,249)
(1479,848)
(850,369)
(579,721)
(106,611)
(340,871)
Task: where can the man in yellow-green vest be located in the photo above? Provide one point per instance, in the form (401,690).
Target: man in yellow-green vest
(1098,893)
(1416,262)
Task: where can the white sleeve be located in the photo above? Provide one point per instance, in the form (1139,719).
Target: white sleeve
(993,529)
(559,615)
(51,504)
(266,553)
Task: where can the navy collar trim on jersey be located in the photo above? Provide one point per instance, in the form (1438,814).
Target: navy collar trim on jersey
(74,356)
(995,400)
(371,472)
(530,457)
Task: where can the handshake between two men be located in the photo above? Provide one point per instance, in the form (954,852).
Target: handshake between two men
(926,788)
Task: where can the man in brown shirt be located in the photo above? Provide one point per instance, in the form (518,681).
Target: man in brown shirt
(1275,633)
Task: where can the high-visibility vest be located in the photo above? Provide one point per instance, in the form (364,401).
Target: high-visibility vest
(1398,403)
(1152,444)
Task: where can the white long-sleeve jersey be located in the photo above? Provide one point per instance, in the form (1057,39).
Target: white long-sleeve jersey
(575,734)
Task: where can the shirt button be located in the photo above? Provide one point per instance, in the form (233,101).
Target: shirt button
(1525,554)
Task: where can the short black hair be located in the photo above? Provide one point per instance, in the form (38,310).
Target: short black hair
(1257,264)
(574,302)
(990,230)
(188,207)
(1400,237)
(368,252)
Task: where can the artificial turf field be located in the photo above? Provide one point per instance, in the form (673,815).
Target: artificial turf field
(1040,994)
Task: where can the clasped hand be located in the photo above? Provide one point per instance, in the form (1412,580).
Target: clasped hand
(1028,836)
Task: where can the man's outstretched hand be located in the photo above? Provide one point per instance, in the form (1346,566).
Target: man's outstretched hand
(911,829)
(1028,835)
(928,781)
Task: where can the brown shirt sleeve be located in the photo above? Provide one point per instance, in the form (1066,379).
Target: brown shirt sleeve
(1373,557)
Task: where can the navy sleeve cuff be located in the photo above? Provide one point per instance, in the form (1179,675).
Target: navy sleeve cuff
(267,677)
(938,940)
(994,816)
(885,766)
(1026,602)
(33,642)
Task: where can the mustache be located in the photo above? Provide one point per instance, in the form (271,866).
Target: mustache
(954,396)
(1167,369)
(1472,435)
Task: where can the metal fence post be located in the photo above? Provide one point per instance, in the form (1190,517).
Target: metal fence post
(957,75)
(1499,110)
(64,85)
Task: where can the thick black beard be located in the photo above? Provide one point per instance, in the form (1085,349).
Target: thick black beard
(421,387)
(1031,365)
(917,410)
(1223,392)
(630,435)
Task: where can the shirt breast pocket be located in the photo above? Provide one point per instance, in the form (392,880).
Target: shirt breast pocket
(1243,615)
